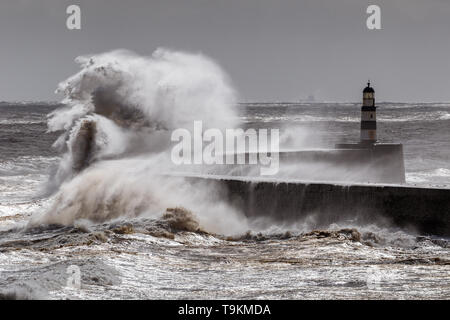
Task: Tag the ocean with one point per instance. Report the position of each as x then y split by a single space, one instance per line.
128 244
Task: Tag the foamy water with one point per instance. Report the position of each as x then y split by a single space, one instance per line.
142 262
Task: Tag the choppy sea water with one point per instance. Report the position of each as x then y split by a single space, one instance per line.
173 257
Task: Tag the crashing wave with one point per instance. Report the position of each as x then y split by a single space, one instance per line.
119 112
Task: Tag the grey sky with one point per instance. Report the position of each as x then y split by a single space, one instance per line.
273 50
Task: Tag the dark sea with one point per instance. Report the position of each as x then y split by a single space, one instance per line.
145 258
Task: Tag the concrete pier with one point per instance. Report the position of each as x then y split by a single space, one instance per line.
425 210
356 163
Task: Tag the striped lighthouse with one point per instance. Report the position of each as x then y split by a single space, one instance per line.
368 116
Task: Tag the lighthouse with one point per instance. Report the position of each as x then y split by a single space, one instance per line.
374 161
368 116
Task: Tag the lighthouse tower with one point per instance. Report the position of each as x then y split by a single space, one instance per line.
376 161
368 116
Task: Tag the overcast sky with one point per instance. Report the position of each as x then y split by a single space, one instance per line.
272 49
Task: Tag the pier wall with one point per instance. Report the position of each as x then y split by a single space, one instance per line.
425 210
355 163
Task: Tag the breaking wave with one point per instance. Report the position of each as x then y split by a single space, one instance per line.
119 112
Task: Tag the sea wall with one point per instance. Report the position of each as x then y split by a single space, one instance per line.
425 210
384 160
355 163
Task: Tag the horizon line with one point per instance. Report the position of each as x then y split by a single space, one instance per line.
241 102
